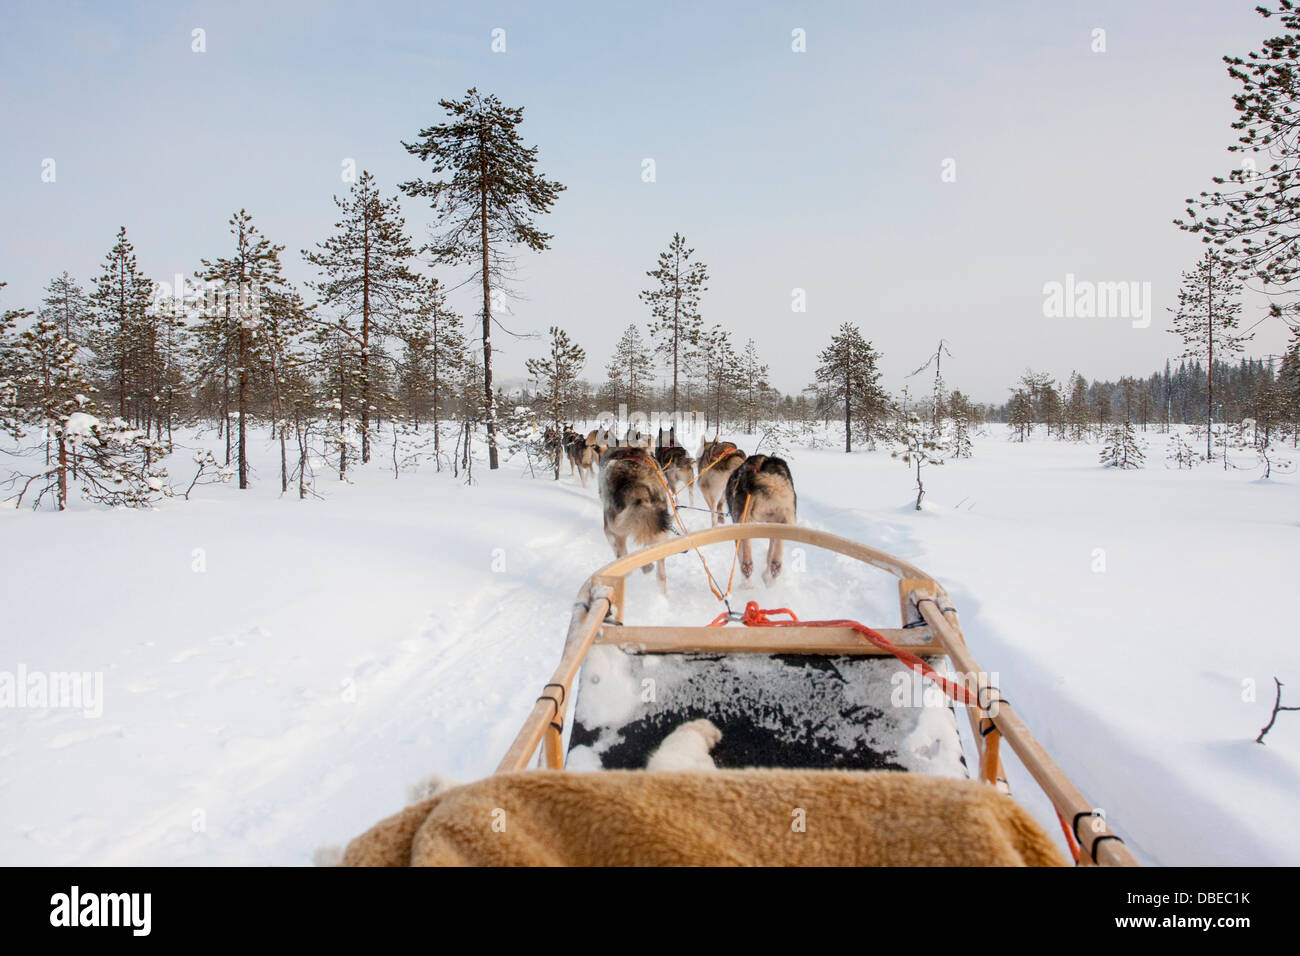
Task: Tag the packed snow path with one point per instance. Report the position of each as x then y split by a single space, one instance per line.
277 673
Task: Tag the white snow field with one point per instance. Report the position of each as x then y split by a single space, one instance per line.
277 673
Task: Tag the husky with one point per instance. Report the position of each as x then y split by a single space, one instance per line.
678 466
582 454
601 439
635 504
716 461
634 438
766 484
687 748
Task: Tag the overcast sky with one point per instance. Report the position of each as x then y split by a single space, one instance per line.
819 170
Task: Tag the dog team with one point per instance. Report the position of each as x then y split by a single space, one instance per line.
637 479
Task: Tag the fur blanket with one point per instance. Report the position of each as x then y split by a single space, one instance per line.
709 818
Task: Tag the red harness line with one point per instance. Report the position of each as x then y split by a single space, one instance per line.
755 616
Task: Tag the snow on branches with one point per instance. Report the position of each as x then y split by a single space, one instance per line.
1122 449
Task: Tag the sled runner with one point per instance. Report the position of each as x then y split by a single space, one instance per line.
823 696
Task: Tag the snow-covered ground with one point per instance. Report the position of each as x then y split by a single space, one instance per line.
277 673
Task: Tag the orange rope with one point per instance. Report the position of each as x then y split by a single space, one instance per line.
716 458
672 500
755 616
1069 837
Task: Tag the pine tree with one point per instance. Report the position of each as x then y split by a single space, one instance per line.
849 373
1179 452
284 320
1122 449
1206 320
52 386
752 386
433 358
248 275
628 370
719 368
366 276
11 413
1021 416
489 202
1254 223
66 304
960 409
675 322
119 303
557 375
917 446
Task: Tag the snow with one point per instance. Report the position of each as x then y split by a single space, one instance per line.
81 425
277 673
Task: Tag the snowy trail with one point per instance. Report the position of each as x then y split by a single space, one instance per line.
1131 675
330 654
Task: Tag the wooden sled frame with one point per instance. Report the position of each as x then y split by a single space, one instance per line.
930 628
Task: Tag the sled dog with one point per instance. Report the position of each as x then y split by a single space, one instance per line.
635 504
582 454
765 483
716 461
678 466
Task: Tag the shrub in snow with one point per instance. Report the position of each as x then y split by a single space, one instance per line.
209 471
1122 449
916 445
113 462
1180 453
960 442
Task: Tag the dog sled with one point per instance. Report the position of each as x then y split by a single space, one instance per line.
797 696
826 755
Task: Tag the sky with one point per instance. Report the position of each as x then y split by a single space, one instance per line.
922 171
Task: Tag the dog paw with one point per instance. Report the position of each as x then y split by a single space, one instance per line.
747 568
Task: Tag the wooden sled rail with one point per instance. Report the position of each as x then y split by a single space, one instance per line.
601 602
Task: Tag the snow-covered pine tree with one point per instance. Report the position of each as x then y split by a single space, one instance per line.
961 441
938 411
675 324
1206 319
1077 415
557 375
488 202
1020 417
366 278
916 446
431 359
116 464
1122 449
66 303
849 374
284 322
1179 452
248 275
628 371
51 387
11 413
119 302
